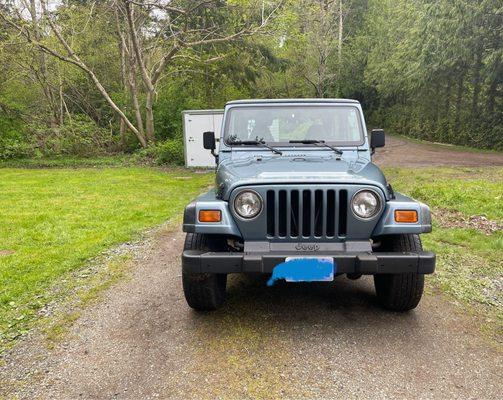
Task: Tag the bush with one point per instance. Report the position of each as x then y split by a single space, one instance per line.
79 136
169 152
13 142
15 148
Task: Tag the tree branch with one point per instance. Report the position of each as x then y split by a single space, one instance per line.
74 59
136 47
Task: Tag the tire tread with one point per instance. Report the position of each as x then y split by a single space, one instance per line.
401 292
203 291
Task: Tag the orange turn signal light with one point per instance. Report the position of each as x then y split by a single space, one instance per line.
409 216
210 216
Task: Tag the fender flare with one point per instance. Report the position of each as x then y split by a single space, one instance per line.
387 224
209 201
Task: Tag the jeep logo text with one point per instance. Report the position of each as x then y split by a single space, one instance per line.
307 247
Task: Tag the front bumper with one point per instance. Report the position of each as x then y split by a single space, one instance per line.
346 263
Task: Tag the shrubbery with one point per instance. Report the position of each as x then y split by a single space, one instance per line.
167 152
13 143
14 148
79 136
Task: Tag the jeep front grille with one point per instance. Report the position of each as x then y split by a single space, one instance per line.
306 213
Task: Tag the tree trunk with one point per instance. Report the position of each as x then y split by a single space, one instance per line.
339 47
491 93
446 128
61 101
124 78
56 115
459 104
287 86
134 100
322 73
434 127
149 116
340 36
148 81
448 97
476 83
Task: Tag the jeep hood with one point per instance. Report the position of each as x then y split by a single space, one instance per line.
232 174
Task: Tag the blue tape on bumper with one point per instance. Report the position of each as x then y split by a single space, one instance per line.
304 269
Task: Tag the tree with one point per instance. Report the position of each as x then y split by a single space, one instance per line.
163 33
311 36
434 64
432 69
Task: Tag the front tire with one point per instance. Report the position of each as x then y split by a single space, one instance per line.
400 292
204 291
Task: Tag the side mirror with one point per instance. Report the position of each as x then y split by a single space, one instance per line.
377 139
209 141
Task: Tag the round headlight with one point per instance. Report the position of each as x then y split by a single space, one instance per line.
365 204
248 204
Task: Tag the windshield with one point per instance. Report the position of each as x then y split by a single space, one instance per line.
340 125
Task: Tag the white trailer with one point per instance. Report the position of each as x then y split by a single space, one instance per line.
195 122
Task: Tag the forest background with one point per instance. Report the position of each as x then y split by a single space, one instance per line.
89 78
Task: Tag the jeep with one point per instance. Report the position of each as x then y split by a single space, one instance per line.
298 197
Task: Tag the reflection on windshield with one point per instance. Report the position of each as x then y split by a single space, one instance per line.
337 124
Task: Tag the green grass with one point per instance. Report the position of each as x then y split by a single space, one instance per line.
471 191
54 221
120 160
469 266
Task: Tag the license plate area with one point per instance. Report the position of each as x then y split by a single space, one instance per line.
304 269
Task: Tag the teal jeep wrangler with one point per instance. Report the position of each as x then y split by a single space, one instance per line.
298 197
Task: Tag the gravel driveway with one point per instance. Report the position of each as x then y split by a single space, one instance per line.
402 152
289 341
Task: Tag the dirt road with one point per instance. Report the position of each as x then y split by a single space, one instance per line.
402 152
141 341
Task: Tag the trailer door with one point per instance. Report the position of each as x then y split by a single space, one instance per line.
195 123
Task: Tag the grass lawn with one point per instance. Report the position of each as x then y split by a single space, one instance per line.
469 255
52 221
70 162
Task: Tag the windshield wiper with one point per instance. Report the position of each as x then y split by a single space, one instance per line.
322 142
255 143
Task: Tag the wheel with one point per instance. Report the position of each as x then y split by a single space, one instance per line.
400 292
204 291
